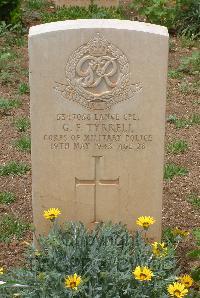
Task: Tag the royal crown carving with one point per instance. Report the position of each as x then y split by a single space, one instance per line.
97 75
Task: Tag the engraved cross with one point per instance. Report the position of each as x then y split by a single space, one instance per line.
96 182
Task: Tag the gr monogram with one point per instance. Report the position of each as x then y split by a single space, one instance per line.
97 75
97 69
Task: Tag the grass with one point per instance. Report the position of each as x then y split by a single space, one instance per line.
6 197
10 62
9 29
6 105
15 40
172 170
183 122
188 43
6 56
187 87
23 88
24 143
188 65
37 4
14 168
10 67
194 199
11 227
22 124
73 13
178 146
6 77
191 64
175 74
196 102
25 72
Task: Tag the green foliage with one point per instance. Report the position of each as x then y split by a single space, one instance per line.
6 77
156 11
169 237
189 87
72 13
188 42
22 124
183 122
196 102
172 119
11 227
6 197
178 146
8 104
191 64
180 15
12 34
172 170
195 255
194 199
24 143
9 11
6 57
8 65
36 4
104 258
188 65
175 74
196 274
14 168
23 88
195 119
188 18
6 29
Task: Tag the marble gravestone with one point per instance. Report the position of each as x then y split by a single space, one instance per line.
98 91
103 3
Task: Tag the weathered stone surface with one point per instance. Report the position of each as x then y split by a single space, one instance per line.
106 3
98 92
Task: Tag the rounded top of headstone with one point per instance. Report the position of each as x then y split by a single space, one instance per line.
99 24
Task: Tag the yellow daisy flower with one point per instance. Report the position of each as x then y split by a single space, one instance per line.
1 270
142 273
179 232
145 221
177 290
73 281
186 280
159 249
51 213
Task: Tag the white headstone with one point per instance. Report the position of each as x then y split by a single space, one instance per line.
98 90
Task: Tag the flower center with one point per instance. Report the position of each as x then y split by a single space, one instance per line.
146 224
143 276
72 284
52 215
177 293
187 283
